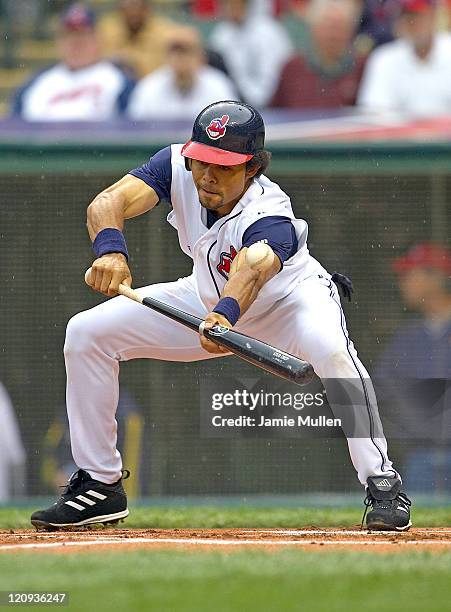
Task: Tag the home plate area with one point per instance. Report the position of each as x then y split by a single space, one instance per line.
227 539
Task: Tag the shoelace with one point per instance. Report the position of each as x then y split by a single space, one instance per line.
404 499
369 501
73 483
78 477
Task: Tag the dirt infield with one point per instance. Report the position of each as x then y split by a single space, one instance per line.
435 539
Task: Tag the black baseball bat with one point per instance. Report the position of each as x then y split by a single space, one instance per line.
250 349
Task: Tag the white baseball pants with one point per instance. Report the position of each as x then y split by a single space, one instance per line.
308 323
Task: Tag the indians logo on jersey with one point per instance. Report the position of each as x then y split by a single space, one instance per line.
217 127
225 262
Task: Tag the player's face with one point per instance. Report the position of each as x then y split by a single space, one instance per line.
220 187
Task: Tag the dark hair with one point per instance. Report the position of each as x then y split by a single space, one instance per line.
261 159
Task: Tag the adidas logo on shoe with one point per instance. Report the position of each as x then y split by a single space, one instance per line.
383 484
84 499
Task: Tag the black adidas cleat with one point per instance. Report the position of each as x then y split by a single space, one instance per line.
85 501
390 506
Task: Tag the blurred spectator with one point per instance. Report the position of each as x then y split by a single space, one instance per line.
184 86
328 72
377 23
204 9
82 87
12 453
444 15
422 348
254 48
210 9
414 370
295 23
135 37
411 75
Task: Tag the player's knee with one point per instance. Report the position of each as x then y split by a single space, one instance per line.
80 334
337 364
343 363
341 360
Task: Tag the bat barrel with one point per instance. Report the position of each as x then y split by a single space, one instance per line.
304 373
298 372
262 355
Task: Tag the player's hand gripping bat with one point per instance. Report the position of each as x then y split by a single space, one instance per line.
254 351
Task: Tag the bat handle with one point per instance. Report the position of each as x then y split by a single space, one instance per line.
122 289
130 293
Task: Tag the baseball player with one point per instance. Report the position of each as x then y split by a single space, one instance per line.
222 203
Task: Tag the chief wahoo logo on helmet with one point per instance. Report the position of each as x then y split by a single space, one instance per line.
217 127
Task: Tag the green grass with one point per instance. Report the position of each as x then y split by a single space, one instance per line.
185 580
205 516
251 581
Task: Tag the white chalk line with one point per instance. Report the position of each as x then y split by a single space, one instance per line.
346 532
318 532
213 542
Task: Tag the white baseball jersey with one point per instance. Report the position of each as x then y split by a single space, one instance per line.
95 93
157 96
213 249
396 79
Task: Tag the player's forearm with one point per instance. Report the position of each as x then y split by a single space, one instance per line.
246 278
129 197
106 210
243 286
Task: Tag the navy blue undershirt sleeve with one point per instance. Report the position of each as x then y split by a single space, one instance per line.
157 173
277 231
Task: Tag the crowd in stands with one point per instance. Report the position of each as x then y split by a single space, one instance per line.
183 85
327 72
83 85
414 368
382 56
